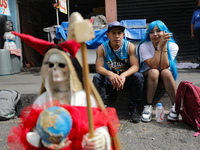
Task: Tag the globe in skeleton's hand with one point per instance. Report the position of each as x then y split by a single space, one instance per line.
53 125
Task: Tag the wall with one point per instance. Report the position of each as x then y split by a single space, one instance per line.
30 20
111 10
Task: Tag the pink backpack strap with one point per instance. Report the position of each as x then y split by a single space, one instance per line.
198 124
197 133
198 128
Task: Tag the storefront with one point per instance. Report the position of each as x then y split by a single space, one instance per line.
34 15
38 14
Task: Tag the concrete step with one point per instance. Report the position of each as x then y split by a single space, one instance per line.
120 101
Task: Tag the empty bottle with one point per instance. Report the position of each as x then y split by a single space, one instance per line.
160 113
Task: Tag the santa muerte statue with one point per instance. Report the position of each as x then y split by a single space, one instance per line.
45 124
9 42
8 36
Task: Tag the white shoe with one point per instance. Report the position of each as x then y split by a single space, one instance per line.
147 113
172 114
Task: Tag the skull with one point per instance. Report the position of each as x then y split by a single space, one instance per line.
57 65
8 26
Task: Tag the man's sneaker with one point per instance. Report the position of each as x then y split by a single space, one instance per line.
147 113
133 113
172 114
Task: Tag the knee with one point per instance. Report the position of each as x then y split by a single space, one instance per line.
139 77
96 78
166 74
153 74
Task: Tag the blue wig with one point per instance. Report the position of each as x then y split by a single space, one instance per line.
146 38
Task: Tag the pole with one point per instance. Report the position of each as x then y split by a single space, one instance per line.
57 17
68 10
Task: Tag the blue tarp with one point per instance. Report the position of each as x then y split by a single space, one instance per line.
61 32
135 30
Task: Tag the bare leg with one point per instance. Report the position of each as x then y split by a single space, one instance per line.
152 77
169 83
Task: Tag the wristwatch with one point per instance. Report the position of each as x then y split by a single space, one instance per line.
158 48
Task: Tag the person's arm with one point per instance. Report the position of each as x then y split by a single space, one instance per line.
192 32
155 60
114 78
133 61
164 62
100 62
160 56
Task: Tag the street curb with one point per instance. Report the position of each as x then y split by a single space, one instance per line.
28 99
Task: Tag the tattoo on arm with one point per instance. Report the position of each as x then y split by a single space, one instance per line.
101 59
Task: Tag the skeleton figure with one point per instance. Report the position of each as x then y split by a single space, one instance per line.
8 36
60 81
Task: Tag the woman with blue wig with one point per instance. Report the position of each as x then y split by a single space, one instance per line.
157 52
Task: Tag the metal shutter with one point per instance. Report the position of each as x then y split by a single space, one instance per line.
176 14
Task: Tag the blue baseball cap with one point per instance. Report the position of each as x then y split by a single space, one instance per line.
115 24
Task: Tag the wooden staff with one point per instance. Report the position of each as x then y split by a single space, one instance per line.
83 32
87 88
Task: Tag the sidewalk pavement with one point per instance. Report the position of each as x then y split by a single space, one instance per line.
138 136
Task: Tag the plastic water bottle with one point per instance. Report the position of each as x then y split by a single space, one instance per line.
160 113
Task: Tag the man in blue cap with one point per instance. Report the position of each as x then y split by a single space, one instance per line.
117 68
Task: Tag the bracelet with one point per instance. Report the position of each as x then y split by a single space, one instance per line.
164 51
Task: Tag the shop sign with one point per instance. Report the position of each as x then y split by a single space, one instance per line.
4 7
63 6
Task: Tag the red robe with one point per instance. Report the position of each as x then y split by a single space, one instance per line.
108 117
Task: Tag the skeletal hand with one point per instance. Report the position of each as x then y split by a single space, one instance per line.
64 143
98 142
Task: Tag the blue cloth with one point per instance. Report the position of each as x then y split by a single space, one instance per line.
61 32
110 60
100 35
196 19
7 40
135 29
